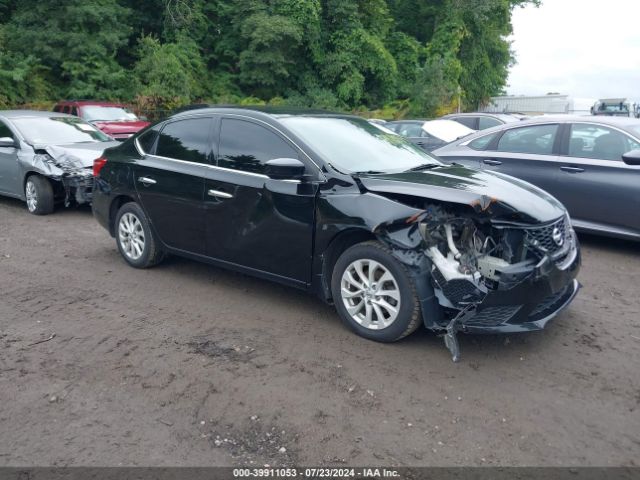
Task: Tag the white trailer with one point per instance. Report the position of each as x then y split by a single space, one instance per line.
539 105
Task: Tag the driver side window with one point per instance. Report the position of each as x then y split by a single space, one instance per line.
246 146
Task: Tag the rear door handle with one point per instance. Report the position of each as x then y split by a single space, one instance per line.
219 194
572 169
490 161
147 180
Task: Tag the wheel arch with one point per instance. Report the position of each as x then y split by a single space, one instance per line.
338 244
115 205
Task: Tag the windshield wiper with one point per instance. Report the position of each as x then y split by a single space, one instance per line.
369 172
424 166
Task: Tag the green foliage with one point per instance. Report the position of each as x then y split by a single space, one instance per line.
170 73
390 58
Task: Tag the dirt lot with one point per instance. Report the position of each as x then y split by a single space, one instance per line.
187 364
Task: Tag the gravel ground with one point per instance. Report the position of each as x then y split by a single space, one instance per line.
187 364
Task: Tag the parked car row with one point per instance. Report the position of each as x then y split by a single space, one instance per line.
476 237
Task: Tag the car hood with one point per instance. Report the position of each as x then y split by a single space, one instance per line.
446 130
129 126
81 155
503 197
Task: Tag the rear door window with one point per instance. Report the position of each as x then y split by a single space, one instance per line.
483 142
537 139
467 122
410 130
188 140
247 146
488 122
147 140
598 142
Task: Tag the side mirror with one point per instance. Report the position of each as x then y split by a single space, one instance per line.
7 142
630 158
285 169
143 118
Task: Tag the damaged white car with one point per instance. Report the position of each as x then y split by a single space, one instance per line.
46 158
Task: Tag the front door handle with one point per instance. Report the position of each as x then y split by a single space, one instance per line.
572 169
147 180
490 161
219 194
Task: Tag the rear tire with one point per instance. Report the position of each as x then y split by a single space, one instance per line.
38 193
136 242
374 293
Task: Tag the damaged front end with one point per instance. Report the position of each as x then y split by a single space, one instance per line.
489 275
74 177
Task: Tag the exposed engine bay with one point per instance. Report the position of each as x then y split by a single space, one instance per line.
480 268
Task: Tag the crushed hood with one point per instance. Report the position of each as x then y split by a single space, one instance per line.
501 196
80 155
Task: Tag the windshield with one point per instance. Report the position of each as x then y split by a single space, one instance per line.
96 113
58 130
354 145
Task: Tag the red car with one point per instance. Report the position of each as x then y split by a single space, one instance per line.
114 119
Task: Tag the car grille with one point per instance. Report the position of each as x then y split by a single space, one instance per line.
543 236
493 316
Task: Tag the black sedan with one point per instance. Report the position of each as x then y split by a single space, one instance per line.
333 205
590 164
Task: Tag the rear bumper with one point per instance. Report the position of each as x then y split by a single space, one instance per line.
531 302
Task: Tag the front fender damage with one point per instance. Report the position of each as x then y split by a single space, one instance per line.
61 166
462 262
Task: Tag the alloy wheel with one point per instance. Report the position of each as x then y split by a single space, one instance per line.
31 195
131 236
370 294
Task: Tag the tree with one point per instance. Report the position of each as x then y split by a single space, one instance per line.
417 57
76 41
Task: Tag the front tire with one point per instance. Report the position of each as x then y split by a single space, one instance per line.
136 241
374 293
38 193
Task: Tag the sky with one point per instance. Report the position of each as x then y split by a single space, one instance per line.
583 48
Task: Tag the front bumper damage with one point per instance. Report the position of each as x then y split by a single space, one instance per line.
527 303
522 296
75 178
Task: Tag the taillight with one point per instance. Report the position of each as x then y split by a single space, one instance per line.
98 163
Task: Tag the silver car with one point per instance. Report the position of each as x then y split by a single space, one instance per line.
590 164
47 158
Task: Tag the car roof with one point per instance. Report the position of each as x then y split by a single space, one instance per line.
603 119
90 102
11 114
409 121
260 111
504 116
